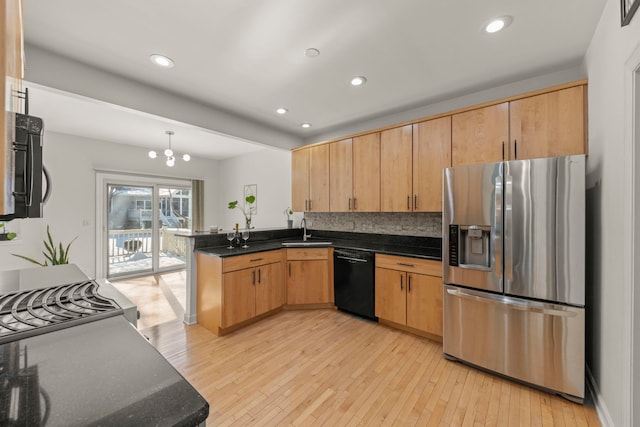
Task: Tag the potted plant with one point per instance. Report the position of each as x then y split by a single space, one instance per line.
55 254
4 236
288 212
246 211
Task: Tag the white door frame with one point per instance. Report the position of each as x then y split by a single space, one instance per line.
103 178
631 291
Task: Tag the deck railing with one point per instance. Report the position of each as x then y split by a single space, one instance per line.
123 244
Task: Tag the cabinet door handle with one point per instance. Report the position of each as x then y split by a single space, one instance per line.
401 284
253 273
406 264
349 203
502 150
310 205
515 149
415 201
408 201
306 205
259 275
409 283
256 259
354 204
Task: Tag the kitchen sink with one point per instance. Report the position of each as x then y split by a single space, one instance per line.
302 243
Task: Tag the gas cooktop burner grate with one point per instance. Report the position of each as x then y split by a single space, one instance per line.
32 312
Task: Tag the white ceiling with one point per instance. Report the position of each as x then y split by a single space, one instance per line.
246 56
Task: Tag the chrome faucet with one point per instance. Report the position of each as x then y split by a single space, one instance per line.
303 224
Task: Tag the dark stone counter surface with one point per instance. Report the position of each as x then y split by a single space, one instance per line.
98 373
418 247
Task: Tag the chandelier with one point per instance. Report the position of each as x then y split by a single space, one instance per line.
169 154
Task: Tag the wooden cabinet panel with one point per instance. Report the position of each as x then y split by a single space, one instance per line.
209 291
319 178
366 173
303 254
396 162
300 180
238 296
251 260
480 136
391 300
341 175
308 282
431 154
550 124
11 66
424 303
408 264
270 291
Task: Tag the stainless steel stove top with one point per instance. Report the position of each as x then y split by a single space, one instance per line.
32 312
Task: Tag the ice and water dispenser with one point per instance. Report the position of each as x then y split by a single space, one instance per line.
469 246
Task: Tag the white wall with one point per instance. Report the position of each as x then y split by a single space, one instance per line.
608 172
270 169
70 212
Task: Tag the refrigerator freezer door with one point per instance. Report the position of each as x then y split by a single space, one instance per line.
472 222
544 229
539 343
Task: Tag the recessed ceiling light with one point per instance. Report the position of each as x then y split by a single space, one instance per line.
497 24
312 52
281 110
162 61
358 81
306 125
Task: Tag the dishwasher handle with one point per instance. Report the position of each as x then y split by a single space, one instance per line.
351 259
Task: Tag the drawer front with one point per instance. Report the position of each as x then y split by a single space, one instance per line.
304 254
250 260
412 265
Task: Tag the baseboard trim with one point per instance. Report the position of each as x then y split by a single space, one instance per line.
190 320
598 401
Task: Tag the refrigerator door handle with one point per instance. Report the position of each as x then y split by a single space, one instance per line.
497 226
516 304
508 227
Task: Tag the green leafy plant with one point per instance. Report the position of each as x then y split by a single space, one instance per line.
6 236
55 254
247 215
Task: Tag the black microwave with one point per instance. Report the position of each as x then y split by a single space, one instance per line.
26 184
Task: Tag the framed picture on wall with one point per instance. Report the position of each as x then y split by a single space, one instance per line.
627 9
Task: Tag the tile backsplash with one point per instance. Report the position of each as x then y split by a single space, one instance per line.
427 224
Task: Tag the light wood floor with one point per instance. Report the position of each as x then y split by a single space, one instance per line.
326 368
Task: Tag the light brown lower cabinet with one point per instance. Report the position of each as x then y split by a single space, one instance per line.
409 293
251 292
233 291
309 276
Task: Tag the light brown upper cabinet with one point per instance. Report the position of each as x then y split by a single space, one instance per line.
550 124
310 179
355 174
431 154
11 65
547 124
480 136
396 164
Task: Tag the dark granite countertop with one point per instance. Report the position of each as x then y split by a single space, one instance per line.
97 373
418 247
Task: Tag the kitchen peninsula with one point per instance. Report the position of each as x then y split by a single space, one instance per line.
270 273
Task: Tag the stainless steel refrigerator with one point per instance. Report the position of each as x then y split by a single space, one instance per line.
514 293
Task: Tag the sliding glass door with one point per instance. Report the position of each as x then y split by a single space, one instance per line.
142 226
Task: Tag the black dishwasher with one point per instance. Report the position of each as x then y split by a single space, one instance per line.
354 281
